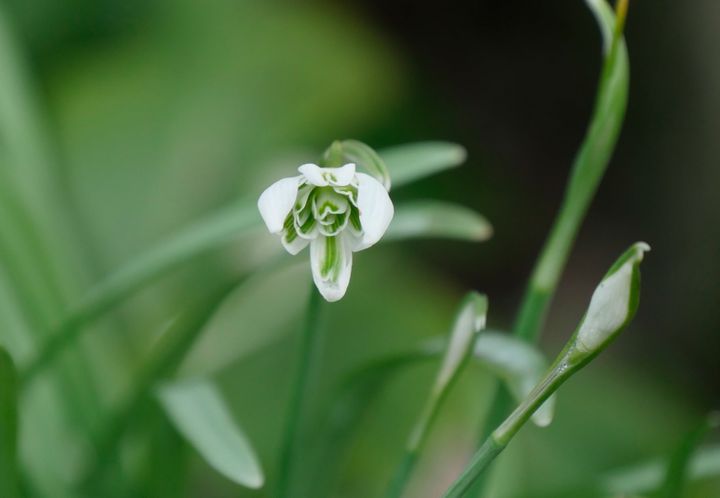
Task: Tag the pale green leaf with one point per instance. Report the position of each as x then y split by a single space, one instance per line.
519 364
421 219
200 414
9 477
411 162
647 477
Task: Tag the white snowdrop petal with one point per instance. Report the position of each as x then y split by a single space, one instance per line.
313 174
331 264
276 202
376 209
340 177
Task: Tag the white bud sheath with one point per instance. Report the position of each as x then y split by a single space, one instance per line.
610 306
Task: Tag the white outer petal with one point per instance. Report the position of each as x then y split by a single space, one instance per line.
314 174
343 175
376 209
331 290
276 202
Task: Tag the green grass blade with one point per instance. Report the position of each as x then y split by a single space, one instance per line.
9 471
469 321
353 399
649 476
678 469
206 235
412 162
421 219
587 171
162 361
519 364
200 414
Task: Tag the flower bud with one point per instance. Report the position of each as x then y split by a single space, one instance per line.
613 303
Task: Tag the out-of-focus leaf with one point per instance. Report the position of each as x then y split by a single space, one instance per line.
418 219
408 163
200 414
649 476
163 360
678 468
9 477
413 220
366 157
356 394
519 364
469 321
203 236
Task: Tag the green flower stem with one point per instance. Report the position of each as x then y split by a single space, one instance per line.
587 172
500 437
309 354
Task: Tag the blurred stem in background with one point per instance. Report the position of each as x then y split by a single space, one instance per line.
308 360
469 322
588 170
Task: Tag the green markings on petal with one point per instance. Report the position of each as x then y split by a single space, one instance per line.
327 201
330 266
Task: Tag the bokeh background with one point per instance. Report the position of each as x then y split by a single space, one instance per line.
160 111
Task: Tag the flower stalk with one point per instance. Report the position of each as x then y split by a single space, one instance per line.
308 359
612 307
469 322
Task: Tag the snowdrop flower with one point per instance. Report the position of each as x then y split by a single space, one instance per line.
337 211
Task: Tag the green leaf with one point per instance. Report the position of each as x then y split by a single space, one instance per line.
678 469
519 364
649 476
162 362
411 162
366 157
199 413
9 477
588 169
420 219
469 321
203 236
353 399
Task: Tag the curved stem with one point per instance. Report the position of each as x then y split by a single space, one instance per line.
309 353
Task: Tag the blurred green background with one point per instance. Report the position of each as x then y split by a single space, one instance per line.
157 112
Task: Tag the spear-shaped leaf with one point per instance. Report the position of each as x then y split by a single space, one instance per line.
200 414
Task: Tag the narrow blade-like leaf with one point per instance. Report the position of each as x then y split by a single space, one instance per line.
162 362
519 364
200 414
9 478
420 219
411 162
199 238
649 476
677 473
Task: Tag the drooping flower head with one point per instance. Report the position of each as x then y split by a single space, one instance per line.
336 210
